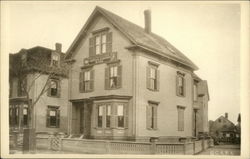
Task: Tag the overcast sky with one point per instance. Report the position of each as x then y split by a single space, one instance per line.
209 34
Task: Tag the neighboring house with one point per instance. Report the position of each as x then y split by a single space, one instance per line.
238 130
29 71
126 82
222 129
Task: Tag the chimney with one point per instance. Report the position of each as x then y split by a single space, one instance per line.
147 16
226 115
58 47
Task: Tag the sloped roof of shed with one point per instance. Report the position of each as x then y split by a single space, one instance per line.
138 36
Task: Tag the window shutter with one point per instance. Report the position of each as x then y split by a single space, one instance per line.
92 78
21 115
148 77
58 88
158 80
119 76
92 46
155 116
48 118
126 116
115 116
81 81
95 115
107 85
148 116
180 119
184 86
177 85
109 42
49 88
58 118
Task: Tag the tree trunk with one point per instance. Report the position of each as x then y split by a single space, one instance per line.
29 134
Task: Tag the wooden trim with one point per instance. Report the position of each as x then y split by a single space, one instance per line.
180 73
101 98
111 97
181 107
87 67
100 30
113 62
153 102
153 63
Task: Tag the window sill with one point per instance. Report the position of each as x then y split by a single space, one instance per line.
118 128
88 91
52 127
153 90
183 96
53 96
152 129
113 88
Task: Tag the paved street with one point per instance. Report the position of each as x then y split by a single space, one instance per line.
229 150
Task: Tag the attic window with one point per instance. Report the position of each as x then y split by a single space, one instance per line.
55 60
100 43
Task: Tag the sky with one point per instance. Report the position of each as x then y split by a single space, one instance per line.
207 33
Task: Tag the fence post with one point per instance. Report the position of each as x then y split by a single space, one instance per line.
51 136
108 147
153 141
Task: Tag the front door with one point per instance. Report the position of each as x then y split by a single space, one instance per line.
85 119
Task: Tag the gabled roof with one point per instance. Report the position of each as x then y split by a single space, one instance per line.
136 35
36 59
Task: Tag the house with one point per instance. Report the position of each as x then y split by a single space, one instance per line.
30 71
222 129
238 130
125 82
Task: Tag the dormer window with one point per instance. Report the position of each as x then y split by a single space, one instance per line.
55 60
100 42
54 88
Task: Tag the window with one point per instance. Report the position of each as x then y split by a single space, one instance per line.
55 60
103 43
100 43
180 118
151 115
111 115
108 116
113 77
14 115
100 115
22 86
86 81
25 115
120 115
97 45
153 77
53 117
180 88
195 95
54 88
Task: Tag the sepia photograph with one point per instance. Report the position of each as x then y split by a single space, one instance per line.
137 78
